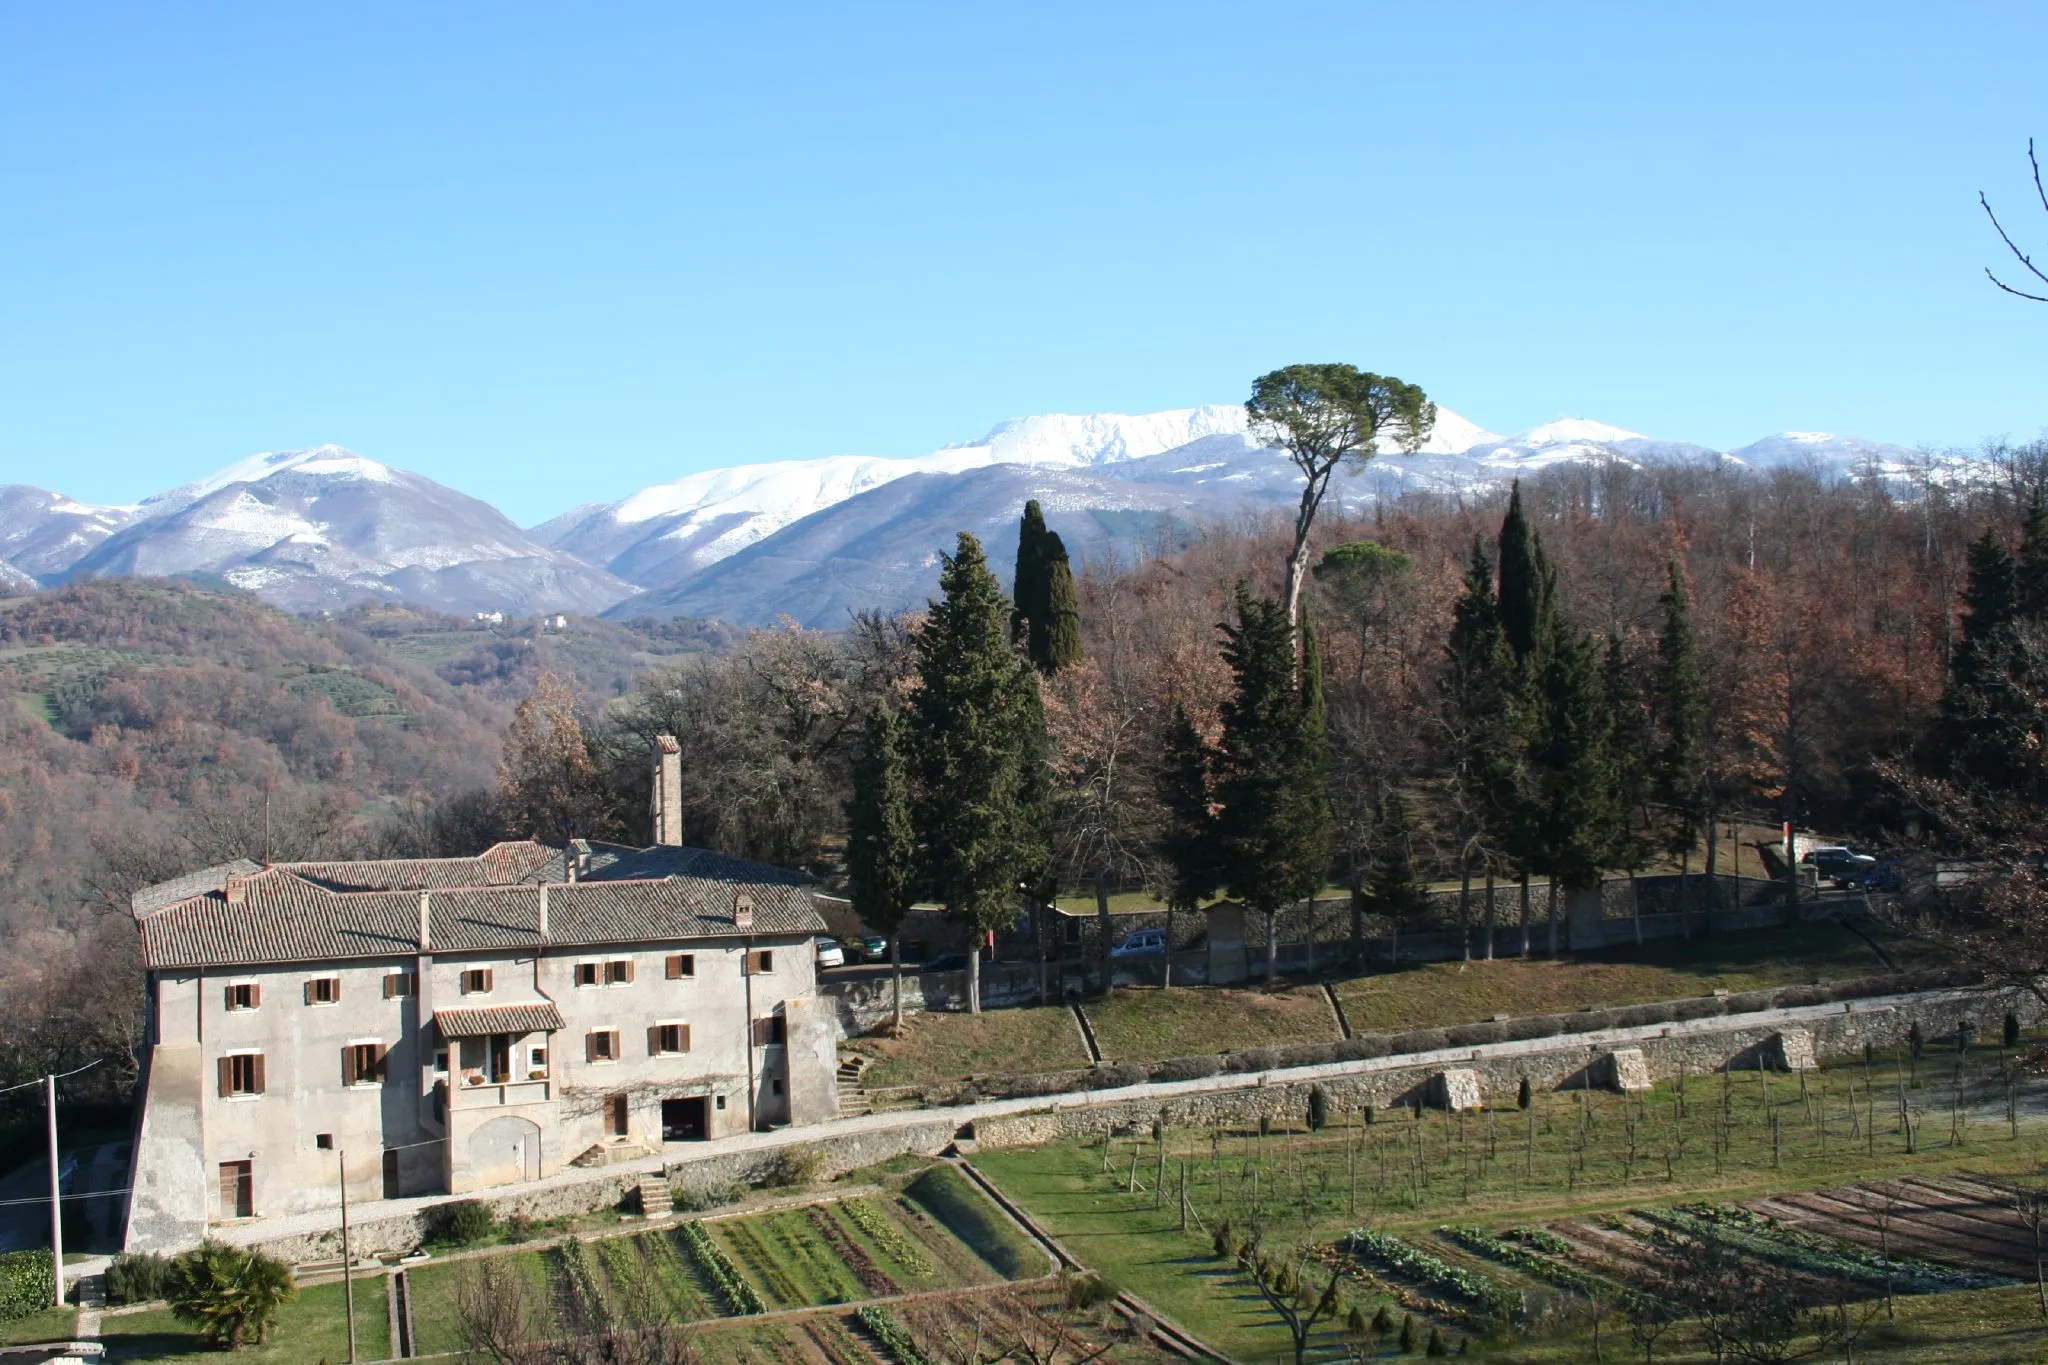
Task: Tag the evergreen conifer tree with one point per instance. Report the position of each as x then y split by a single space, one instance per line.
1481 697
980 803
1187 836
1679 715
1521 579
1273 831
1570 756
881 846
1062 634
2030 568
1046 616
1628 769
1981 718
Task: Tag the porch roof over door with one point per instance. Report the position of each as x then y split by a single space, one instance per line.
538 1016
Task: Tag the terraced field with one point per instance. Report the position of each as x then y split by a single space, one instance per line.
715 1271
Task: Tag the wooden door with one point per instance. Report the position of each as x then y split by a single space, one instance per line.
237 1189
619 1115
390 1175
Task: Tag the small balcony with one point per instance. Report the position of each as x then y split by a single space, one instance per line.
480 1092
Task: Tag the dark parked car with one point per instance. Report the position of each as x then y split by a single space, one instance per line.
866 948
1842 866
946 962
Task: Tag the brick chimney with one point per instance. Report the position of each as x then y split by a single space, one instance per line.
668 791
236 890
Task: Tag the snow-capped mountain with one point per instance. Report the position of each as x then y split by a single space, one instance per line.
811 539
43 533
325 527
660 535
13 580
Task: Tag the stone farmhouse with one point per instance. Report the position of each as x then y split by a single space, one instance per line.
448 1024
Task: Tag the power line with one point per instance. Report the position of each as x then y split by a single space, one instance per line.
58 1077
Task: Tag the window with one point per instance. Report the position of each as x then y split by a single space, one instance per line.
586 973
619 972
398 984
537 1066
770 1032
1070 929
324 1141
681 965
775 1087
603 1044
246 995
363 1064
323 990
441 1059
718 1103
761 961
476 981
667 1040
241 1074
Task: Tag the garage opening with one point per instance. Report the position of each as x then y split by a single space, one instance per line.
684 1120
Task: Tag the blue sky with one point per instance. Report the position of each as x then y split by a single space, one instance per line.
553 254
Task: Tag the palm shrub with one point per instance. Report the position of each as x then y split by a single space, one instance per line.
228 1292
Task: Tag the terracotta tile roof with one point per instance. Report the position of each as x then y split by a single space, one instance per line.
507 864
284 915
531 1017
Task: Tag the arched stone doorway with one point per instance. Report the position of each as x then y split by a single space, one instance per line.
504 1151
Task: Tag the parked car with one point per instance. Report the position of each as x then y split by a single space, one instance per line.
946 962
866 948
830 954
1141 943
1841 865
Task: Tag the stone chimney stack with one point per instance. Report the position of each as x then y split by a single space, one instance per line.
236 891
426 917
543 912
743 913
668 791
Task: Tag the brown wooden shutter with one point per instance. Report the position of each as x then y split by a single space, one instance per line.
227 1075
684 1031
488 975
255 996
256 1088
628 965
227 997
618 1052
382 1053
654 1040
390 985
336 983
590 1046
309 990
673 965
348 1066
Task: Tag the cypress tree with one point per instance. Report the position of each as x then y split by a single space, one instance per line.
1628 767
1187 839
1521 579
1481 697
1273 831
1028 583
981 801
1062 632
881 846
1570 756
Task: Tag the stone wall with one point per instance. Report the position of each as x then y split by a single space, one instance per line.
1579 1061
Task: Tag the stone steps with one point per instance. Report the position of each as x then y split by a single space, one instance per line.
656 1199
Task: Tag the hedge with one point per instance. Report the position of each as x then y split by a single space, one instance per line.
25 1283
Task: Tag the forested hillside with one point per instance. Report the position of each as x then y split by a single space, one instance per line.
143 724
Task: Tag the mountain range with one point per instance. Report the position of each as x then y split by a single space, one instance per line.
809 540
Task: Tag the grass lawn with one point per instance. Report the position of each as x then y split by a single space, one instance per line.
965 1212
1440 993
1140 1249
435 1321
52 1324
937 1047
312 1328
1151 1025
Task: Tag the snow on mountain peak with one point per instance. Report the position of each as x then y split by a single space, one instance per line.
1573 429
1104 437
330 460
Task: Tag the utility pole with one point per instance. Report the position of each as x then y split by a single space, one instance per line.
348 1290
56 1208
